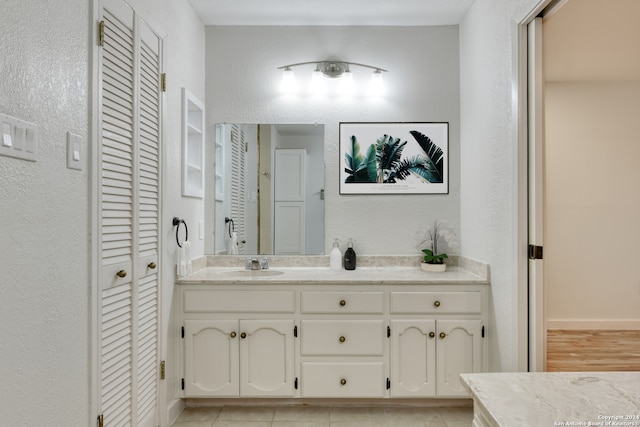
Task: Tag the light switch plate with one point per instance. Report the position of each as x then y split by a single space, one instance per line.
74 151
18 138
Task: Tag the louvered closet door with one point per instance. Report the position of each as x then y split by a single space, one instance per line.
238 189
129 143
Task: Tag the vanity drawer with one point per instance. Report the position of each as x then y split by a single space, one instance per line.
469 302
239 301
331 302
339 338
325 379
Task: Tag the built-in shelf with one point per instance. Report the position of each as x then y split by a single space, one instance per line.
192 145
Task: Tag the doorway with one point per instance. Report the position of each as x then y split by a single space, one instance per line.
589 211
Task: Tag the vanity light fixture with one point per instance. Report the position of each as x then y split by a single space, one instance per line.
332 70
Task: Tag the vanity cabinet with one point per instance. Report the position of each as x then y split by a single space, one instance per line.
238 343
439 337
343 344
314 340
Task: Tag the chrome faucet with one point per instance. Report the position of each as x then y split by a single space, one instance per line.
256 264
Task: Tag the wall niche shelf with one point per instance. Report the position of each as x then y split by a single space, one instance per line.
192 145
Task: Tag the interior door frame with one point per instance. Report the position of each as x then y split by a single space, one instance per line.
528 336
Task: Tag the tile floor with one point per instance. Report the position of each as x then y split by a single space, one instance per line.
324 416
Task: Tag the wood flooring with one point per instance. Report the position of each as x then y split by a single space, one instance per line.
593 350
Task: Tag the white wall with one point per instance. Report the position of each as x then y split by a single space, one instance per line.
489 165
422 85
45 208
44 217
592 208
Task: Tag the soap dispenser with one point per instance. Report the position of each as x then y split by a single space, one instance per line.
335 257
350 257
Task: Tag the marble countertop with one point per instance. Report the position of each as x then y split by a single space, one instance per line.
557 398
371 269
361 275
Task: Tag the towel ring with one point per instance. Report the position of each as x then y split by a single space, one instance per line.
232 227
176 222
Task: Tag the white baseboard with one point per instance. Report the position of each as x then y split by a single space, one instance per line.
598 324
174 409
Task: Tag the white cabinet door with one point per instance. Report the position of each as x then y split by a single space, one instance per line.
266 358
413 358
458 350
211 358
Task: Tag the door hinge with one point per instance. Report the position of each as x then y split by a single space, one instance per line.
182 384
100 421
163 82
162 369
101 33
535 252
388 331
295 331
295 383
388 384
483 331
182 332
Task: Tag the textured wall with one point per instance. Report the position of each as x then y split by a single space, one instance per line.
422 85
488 162
44 241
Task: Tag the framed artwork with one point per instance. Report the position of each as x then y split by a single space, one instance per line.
394 158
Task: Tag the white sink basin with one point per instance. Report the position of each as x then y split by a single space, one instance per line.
251 273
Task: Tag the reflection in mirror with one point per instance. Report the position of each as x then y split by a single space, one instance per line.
269 189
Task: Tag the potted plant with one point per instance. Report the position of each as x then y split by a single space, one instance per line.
433 260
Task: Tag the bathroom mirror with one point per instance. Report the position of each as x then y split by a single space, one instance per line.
269 189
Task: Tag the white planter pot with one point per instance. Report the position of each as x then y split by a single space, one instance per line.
433 267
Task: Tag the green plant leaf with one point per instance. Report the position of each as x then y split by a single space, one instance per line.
358 166
434 155
388 157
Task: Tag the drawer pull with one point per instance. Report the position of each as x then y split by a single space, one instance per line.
343 381
342 339
342 303
121 274
442 335
151 265
232 334
432 334
436 304
243 335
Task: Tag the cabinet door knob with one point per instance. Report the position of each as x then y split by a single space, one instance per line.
151 265
343 381
243 335
432 334
121 274
442 335
342 303
232 334
342 339
436 304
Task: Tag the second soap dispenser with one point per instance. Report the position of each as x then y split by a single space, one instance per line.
350 256
335 257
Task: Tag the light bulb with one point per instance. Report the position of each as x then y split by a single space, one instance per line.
288 81
346 83
376 86
317 82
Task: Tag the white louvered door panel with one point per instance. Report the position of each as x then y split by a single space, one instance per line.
116 208
148 226
130 124
238 190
